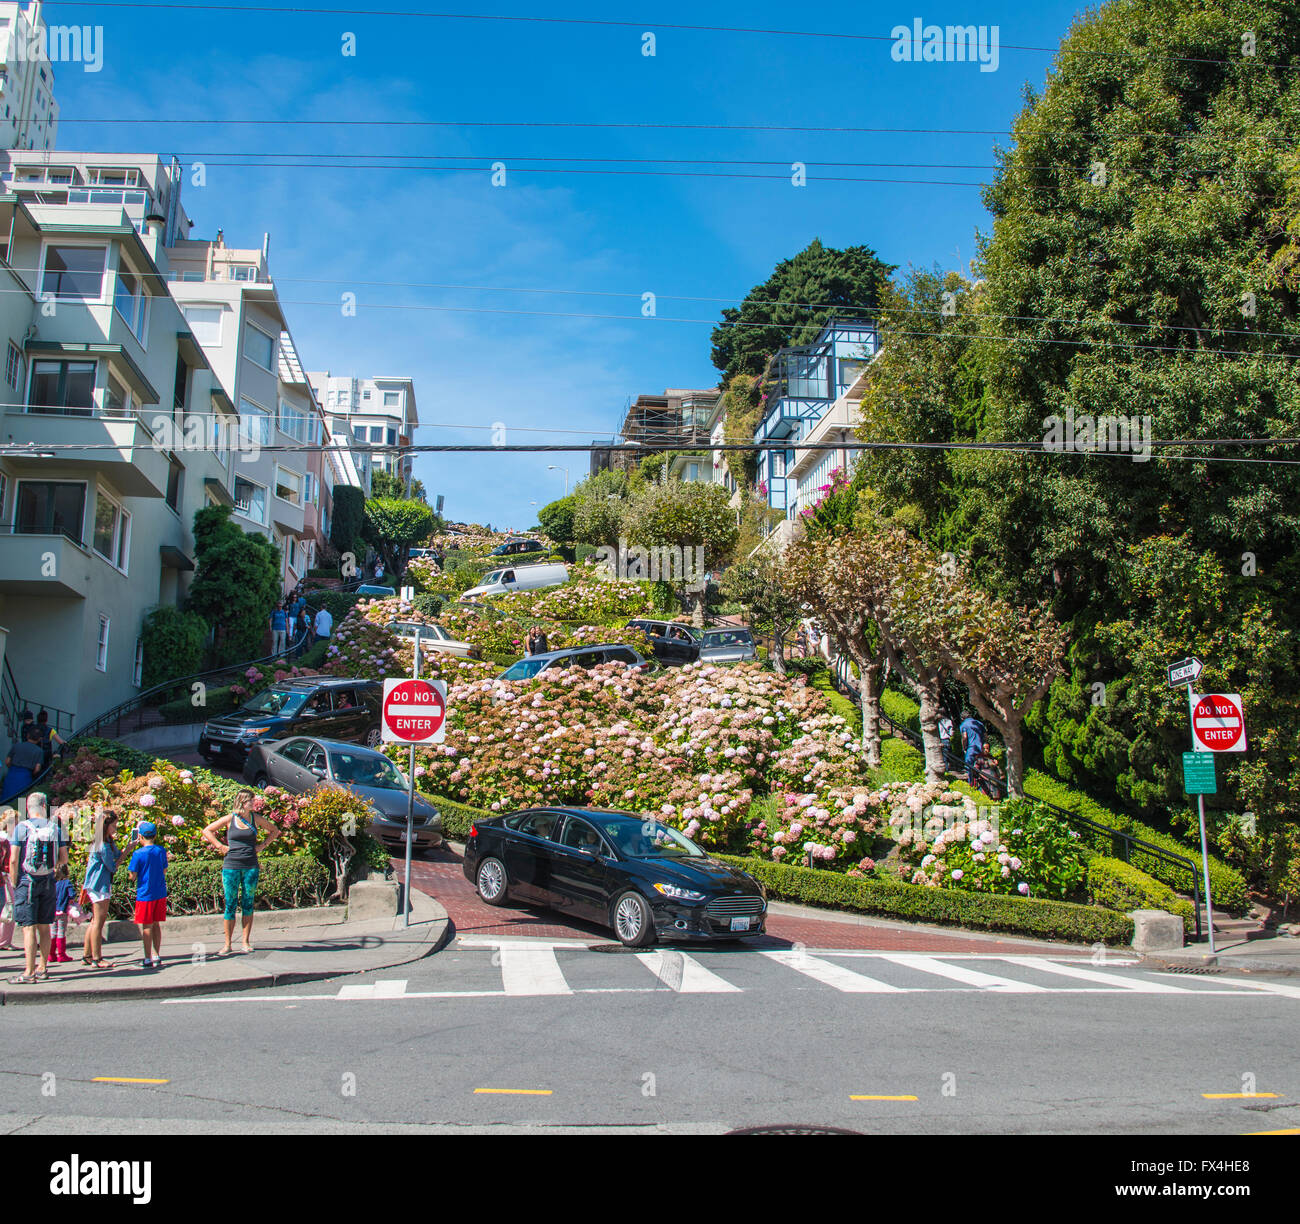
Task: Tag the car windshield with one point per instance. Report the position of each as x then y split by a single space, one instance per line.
650 839
365 769
726 637
492 578
525 669
276 701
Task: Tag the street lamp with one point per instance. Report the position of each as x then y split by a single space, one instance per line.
550 467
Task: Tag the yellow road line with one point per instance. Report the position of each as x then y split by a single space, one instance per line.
882 1098
514 1091
122 1079
1294 1130
1235 1096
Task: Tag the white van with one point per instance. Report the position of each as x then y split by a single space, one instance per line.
520 578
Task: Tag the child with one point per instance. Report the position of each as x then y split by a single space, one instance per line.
64 895
148 869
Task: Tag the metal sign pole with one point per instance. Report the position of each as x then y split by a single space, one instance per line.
1200 807
410 794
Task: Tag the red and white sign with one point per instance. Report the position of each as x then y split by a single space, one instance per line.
414 711
1218 723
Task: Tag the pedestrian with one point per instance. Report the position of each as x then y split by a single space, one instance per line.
25 761
239 865
323 623
65 894
379 571
302 629
98 887
972 740
945 736
989 773
8 818
299 602
539 642
279 628
49 738
39 849
148 868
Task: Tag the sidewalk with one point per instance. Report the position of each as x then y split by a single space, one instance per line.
1240 943
287 950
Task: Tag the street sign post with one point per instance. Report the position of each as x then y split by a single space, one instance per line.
1218 722
1185 672
1198 773
414 712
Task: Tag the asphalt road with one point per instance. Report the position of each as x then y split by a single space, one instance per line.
537 1037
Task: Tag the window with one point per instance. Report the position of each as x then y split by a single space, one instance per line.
311 490
137 673
14 366
392 399
250 500
117 399
62 386
175 483
295 421
243 272
254 423
112 538
4 489
291 552
376 433
365 395
205 323
131 300
101 647
259 347
288 486
391 437
75 272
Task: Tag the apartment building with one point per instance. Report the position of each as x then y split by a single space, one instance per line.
655 423
98 490
375 412
29 114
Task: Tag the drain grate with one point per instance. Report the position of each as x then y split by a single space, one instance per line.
611 948
1199 970
794 1130
1269 1106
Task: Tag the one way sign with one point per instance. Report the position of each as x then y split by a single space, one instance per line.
1185 672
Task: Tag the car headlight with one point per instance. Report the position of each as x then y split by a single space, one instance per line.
253 732
678 894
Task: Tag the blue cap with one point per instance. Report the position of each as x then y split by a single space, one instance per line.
147 828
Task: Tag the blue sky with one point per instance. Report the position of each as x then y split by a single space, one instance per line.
586 235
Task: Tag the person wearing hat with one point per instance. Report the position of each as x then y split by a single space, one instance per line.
148 868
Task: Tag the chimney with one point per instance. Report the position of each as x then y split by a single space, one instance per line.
153 235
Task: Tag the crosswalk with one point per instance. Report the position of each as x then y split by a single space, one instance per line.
506 968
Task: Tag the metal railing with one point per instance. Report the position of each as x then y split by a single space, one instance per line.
1122 844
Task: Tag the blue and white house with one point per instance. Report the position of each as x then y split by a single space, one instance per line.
810 400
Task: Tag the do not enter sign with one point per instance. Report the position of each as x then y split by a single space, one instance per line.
1219 723
414 711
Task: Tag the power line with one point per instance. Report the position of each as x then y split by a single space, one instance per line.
424 14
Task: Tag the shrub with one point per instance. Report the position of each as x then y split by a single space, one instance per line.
217 701
899 761
349 518
337 603
901 709
194 886
456 817
1118 885
1061 920
174 643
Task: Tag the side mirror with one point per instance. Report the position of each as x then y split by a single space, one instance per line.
318 772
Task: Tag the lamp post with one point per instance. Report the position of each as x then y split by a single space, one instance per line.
551 467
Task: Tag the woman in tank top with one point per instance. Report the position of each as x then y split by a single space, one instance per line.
239 869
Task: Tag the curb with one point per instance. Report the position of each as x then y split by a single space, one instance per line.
1239 964
425 911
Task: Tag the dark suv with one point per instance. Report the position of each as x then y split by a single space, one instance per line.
673 644
513 548
325 707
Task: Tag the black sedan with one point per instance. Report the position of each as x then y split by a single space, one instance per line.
631 873
301 765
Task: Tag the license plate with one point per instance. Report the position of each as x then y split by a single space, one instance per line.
740 924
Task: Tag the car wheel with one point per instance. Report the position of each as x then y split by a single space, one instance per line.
261 781
490 880
633 923
373 737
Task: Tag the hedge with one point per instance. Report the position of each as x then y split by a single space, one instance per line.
1227 886
183 710
456 817
194 886
901 709
1118 885
1061 920
338 603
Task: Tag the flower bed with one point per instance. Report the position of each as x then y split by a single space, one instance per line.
582 598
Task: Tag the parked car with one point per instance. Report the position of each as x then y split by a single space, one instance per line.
577 656
434 637
727 645
302 764
643 879
673 644
513 548
520 578
378 592
336 707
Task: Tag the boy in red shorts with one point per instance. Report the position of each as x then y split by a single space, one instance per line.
148 868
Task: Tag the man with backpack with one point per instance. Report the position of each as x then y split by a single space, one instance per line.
39 849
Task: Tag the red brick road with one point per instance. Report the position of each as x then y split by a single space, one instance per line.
440 875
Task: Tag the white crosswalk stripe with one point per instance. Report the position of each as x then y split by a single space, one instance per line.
1140 985
959 973
831 974
531 971
685 974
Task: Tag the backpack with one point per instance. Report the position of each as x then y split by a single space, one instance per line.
41 847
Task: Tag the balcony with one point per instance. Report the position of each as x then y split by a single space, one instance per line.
45 564
126 451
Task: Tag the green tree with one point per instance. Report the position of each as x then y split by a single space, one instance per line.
556 519
349 519
236 585
743 403
174 644
769 606
394 526
385 484
794 303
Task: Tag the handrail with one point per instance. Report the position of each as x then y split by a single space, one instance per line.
1124 842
